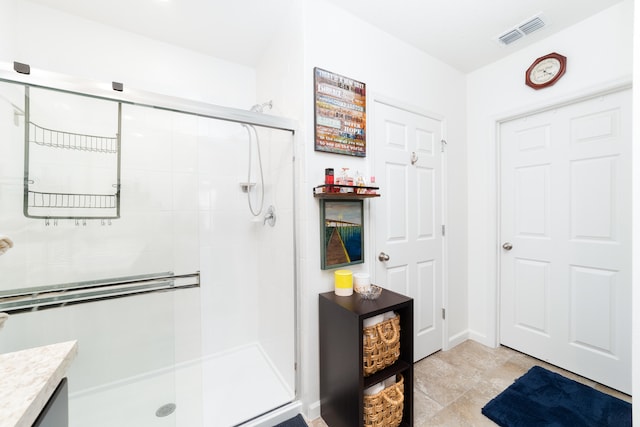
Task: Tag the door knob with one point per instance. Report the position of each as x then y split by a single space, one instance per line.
383 257
507 246
414 158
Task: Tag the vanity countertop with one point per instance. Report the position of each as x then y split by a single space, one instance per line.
28 378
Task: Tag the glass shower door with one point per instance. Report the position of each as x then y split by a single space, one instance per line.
164 243
247 269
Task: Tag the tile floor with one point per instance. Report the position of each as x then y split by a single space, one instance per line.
451 387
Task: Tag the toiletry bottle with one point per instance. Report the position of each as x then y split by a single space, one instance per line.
328 176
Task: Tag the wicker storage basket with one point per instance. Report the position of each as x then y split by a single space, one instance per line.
385 408
381 345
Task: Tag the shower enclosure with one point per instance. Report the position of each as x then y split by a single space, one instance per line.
133 235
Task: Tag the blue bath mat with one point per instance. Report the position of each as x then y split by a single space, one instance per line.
296 421
544 398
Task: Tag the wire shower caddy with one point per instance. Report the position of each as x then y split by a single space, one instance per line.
60 204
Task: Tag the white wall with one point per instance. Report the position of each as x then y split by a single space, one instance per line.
7 28
54 41
280 72
599 52
340 42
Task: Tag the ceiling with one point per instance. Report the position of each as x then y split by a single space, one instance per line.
461 33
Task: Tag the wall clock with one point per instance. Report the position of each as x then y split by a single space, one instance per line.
546 70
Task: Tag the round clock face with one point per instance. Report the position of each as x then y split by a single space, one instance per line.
546 70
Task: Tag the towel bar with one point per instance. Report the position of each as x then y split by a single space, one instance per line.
44 297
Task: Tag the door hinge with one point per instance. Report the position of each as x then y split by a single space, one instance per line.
443 229
444 314
443 144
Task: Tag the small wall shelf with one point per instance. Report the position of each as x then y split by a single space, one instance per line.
334 191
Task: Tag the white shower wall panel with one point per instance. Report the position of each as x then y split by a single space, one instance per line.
223 324
188 326
162 173
185 191
228 273
276 250
186 249
75 253
117 339
145 190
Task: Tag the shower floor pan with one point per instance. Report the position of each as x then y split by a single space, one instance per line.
223 390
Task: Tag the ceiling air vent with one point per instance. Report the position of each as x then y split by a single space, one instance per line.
531 25
523 29
510 37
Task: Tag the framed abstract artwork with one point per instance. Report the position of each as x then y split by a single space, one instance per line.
341 233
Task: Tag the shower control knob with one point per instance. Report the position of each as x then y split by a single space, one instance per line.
270 216
383 257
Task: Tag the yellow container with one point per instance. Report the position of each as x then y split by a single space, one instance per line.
343 281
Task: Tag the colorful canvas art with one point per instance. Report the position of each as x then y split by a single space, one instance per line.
340 114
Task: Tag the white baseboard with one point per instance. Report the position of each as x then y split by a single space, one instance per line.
457 339
482 339
313 410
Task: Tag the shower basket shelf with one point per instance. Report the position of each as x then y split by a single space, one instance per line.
80 204
74 141
71 200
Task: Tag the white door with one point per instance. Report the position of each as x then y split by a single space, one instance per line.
566 214
408 216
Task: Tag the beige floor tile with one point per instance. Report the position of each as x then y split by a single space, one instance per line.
612 392
318 422
463 412
444 377
472 355
451 387
497 379
424 407
469 409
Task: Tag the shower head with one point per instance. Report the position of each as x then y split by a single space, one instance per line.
259 108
